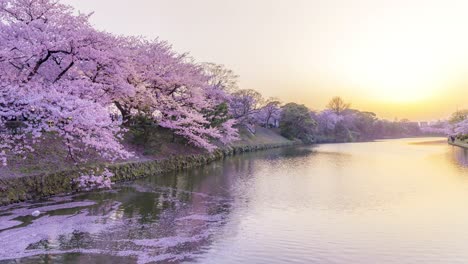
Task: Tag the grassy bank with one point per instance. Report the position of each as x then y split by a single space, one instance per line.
43 180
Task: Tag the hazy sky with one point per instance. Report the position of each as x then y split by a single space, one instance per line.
398 58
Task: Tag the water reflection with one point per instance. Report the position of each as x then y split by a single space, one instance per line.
378 202
460 156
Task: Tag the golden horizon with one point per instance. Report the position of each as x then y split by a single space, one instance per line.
399 59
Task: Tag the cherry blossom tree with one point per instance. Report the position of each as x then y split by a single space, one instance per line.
176 92
270 113
461 128
459 124
245 105
327 121
221 78
459 116
58 75
431 130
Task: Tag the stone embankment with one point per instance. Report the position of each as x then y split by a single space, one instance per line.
44 185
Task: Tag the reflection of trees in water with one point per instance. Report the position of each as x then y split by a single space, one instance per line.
460 156
105 207
279 153
154 221
294 152
179 209
176 213
79 258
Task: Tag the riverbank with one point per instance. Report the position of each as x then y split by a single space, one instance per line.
45 184
459 143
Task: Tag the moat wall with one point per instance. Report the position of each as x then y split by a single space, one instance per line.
38 186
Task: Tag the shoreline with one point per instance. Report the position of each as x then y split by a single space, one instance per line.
35 187
43 185
459 143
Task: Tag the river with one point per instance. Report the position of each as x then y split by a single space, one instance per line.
390 201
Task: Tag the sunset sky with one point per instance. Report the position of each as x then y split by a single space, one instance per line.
399 58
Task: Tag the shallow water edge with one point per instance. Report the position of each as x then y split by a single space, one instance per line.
13 190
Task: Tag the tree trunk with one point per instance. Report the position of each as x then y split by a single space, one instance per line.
124 112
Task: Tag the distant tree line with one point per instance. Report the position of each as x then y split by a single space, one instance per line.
340 123
455 127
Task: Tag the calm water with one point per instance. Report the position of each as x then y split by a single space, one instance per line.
395 201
